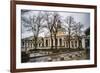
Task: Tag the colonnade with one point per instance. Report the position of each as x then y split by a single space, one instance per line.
46 42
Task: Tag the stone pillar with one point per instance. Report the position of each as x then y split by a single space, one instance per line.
53 42
44 42
32 45
83 43
65 43
37 45
62 41
74 43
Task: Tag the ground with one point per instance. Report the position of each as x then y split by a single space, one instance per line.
57 55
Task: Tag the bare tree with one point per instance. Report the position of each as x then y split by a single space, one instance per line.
34 24
49 25
57 25
78 31
68 27
52 24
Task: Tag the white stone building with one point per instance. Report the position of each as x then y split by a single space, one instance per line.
45 42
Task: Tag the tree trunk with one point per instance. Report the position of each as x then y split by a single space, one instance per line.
55 41
35 43
79 43
51 41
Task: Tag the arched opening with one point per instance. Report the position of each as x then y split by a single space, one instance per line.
66 44
76 44
46 43
60 41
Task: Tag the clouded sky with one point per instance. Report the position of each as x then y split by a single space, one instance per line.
84 18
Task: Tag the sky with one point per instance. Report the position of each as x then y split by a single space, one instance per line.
84 18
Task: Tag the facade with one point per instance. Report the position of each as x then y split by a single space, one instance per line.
45 42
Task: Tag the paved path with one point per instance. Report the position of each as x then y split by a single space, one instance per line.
62 56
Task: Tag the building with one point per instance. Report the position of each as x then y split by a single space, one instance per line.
45 42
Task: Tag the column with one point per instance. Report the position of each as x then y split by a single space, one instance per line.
53 42
74 43
83 42
44 42
66 44
62 41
